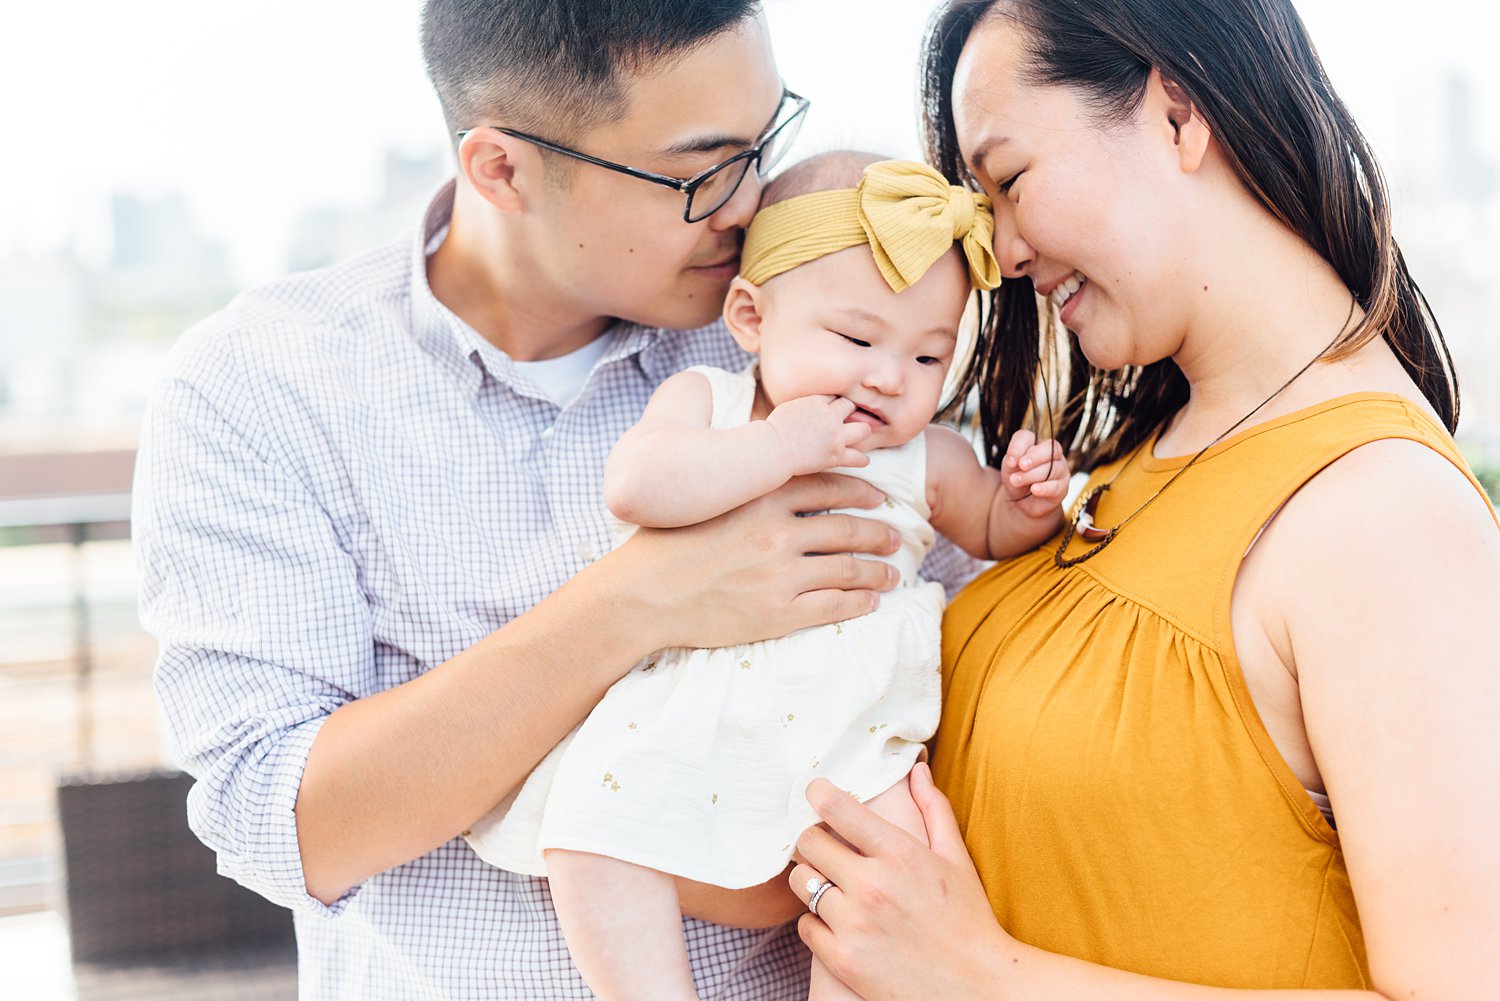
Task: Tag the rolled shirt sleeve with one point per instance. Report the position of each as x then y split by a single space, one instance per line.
257 607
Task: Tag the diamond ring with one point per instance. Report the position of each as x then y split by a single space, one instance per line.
815 889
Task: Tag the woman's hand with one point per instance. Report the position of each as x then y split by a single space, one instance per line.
902 920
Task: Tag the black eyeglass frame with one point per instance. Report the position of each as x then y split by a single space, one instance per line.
688 186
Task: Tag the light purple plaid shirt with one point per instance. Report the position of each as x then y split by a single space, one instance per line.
341 485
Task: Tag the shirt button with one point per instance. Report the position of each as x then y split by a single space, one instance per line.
586 551
547 432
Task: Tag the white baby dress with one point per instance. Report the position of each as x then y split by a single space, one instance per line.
697 761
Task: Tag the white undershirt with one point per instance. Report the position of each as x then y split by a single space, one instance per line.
560 379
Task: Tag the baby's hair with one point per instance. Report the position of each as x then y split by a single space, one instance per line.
841 168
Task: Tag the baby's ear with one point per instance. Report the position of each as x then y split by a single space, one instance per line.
742 313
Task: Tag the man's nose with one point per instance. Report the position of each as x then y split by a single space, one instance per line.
740 209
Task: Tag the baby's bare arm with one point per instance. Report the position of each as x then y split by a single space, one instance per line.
673 469
995 513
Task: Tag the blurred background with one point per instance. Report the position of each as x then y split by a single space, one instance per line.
160 155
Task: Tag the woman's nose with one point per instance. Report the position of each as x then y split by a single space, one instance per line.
1012 251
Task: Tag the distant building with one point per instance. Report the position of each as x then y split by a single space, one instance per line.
80 347
43 320
327 234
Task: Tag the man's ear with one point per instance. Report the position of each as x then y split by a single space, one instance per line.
497 167
1190 133
742 313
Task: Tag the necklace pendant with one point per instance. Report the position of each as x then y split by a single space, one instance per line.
1084 525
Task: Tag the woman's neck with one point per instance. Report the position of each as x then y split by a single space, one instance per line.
1273 307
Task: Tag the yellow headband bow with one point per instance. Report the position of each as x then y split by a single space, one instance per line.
908 213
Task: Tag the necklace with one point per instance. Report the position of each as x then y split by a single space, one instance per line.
1082 523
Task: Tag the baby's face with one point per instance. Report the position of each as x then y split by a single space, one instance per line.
833 327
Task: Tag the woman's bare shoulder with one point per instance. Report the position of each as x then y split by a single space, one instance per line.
1388 528
1391 485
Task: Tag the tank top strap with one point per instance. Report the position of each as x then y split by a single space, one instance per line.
1271 467
733 394
1181 555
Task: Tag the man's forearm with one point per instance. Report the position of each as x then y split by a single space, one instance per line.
392 776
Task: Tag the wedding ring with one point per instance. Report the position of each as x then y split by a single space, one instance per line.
816 888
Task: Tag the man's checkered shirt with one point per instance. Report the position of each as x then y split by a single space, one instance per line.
341 485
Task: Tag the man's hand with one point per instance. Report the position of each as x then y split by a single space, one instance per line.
378 790
761 570
814 435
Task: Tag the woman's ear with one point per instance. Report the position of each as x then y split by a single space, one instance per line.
495 165
1190 133
742 313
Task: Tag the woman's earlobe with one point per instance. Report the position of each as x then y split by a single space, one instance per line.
1193 137
1190 133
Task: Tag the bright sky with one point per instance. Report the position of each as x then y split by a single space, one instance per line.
255 111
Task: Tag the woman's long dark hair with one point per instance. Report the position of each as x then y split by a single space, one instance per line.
1252 73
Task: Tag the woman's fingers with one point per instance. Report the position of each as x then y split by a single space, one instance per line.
861 827
943 834
835 860
818 938
806 881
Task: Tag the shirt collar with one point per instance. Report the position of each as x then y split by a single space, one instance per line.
460 348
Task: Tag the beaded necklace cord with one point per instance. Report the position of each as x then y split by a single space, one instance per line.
1082 523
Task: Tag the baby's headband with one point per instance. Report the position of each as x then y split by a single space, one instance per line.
907 212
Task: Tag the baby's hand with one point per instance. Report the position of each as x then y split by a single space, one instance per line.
814 436
1034 475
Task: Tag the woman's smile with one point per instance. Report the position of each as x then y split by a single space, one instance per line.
1066 294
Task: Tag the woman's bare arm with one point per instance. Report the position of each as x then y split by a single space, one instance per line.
1388 600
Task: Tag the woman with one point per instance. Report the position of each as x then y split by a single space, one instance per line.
1235 727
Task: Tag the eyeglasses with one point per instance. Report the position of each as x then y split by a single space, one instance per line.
708 190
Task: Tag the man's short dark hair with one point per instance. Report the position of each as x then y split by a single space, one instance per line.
553 67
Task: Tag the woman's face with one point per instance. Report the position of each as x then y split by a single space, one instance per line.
1091 212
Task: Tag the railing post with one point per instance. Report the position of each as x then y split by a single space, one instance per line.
82 646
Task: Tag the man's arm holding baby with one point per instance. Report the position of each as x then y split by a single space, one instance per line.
673 469
314 773
995 513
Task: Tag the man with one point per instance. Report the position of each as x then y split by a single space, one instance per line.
369 500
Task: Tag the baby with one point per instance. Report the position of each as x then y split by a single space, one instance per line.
854 279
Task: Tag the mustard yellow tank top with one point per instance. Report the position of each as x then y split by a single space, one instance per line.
1121 798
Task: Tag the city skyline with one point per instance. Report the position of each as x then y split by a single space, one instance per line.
174 97
86 312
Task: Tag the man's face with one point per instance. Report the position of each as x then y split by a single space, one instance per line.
616 245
